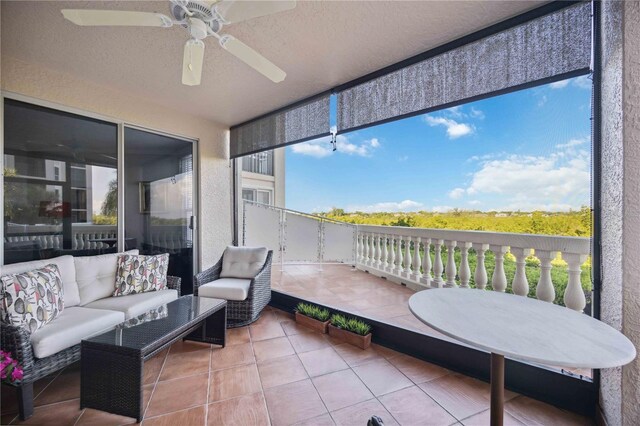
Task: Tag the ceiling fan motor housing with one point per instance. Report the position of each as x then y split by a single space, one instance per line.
197 28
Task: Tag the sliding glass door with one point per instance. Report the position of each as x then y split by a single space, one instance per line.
159 199
71 185
60 183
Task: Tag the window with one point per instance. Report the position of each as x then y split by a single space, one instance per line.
262 196
261 163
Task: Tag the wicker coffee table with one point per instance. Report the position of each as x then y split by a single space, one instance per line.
112 364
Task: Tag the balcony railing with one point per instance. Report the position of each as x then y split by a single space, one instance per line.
398 253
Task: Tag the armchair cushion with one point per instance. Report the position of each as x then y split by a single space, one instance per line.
133 305
73 325
242 262
226 288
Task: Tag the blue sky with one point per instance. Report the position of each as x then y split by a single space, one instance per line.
528 150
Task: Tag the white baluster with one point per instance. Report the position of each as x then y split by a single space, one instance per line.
365 250
407 258
544 289
398 269
437 264
520 284
377 261
374 250
465 271
499 279
573 294
450 270
426 263
385 254
392 254
417 261
480 275
359 248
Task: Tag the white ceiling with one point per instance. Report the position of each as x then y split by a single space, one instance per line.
320 44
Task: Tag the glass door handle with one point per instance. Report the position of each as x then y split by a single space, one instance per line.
192 222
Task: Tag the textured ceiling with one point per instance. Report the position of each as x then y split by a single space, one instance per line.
320 44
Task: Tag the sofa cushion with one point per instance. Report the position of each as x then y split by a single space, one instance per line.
96 276
67 270
140 274
242 262
32 299
73 325
226 288
135 304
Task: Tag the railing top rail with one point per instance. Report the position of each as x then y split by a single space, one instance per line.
311 215
580 245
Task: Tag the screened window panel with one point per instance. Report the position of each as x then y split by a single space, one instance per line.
552 45
302 122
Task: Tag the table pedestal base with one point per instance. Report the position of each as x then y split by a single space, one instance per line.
497 389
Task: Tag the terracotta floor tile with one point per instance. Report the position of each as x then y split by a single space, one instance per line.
265 331
64 387
182 346
360 413
417 370
231 356
529 411
355 356
381 377
281 371
191 417
460 395
248 410
62 413
179 394
305 342
267 316
322 361
5 419
283 316
292 327
183 364
341 389
9 395
384 351
233 382
153 366
484 418
102 418
237 336
293 402
323 420
411 406
273 348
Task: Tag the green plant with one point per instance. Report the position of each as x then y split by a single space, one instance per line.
313 311
353 325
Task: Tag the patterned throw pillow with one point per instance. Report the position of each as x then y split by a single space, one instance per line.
140 274
32 299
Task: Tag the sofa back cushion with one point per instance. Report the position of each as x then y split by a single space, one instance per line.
32 299
242 262
96 276
67 271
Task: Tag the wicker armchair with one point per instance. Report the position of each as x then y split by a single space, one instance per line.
17 341
242 312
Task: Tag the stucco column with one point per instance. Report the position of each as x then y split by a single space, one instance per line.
620 296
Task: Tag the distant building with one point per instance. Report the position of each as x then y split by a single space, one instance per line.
263 177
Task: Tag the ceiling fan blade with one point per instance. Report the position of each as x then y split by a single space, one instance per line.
236 11
252 58
192 62
86 17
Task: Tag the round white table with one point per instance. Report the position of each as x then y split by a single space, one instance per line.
520 328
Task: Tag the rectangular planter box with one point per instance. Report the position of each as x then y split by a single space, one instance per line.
363 342
312 323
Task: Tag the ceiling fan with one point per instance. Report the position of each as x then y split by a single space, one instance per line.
201 19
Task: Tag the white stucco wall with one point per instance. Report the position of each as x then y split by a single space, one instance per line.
620 295
214 168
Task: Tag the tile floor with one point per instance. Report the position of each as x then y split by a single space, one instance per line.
276 372
358 292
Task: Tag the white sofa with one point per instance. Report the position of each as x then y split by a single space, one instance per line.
89 307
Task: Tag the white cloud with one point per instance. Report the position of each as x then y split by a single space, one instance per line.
441 209
322 147
454 129
403 158
558 181
476 113
390 206
559 84
474 202
457 193
542 101
583 82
